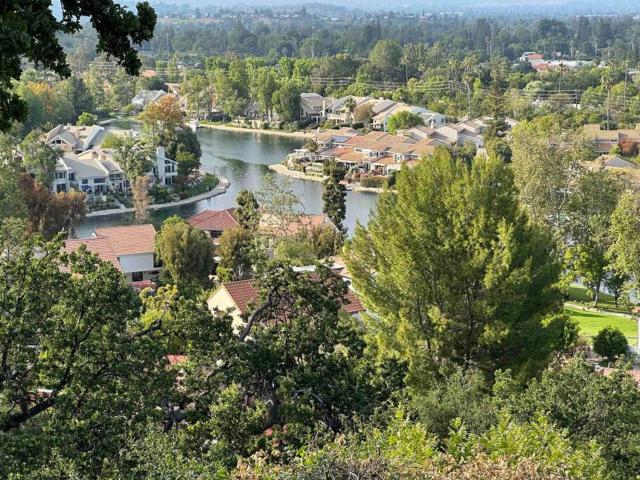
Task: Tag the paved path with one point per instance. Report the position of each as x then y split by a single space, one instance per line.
577 306
223 185
278 133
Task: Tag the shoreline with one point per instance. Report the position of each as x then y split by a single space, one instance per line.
279 133
282 170
222 187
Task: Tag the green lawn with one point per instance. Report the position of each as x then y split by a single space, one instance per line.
581 295
591 323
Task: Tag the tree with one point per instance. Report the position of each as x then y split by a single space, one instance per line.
590 209
87 119
32 33
50 213
186 252
78 94
132 156
403 120
248 211
79 374
364 113
275 367
570 395
230 96
140 193
39 158
235 251
455 274
181 139
546 161
334 195
350 106
265 85
386 57
286 101
610 343
624 251
199 95
163 116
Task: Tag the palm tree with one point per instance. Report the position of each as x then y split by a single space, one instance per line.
607 81
350 105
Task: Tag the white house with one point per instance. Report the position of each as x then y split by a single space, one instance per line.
95 171
313 106
129 248
146 97
74 138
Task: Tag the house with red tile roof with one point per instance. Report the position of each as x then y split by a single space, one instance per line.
239 298
130 248
214 222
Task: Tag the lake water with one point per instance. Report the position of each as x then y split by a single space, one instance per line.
243 158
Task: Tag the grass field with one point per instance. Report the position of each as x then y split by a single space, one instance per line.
591 323
581 295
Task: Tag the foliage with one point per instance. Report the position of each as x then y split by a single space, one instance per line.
590 407
334 195
180 139
50 213
32 33
247 212
610 343
78 373
87 119
286 101
132 156
403 120
625 236
162 116
188 164
461 276
235 251
38 157
590 209
186 252
140 194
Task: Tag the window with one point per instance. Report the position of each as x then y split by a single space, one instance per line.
99 180
85 181
72 177
136 276
61 175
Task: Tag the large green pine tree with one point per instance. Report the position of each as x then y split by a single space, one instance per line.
453 272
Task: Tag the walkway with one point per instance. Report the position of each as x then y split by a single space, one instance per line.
223 185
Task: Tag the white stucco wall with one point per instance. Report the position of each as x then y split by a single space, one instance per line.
141 262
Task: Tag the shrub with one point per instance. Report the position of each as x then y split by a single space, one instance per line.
373 182
610 342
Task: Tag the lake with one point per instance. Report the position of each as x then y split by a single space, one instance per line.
243 158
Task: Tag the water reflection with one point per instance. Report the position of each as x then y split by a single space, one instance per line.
243 157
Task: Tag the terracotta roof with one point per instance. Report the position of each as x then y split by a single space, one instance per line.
129 239
100 246
177 359
245 295
214 219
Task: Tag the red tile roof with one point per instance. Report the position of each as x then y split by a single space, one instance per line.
129 239
177 359
245 295
100 246
219 220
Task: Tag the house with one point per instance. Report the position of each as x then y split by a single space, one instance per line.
241 297
339 111
130 248
214 222
313 106
73 138
614 162
381 119
605 140
96 172
144 98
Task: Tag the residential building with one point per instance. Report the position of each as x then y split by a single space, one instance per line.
130 248
339 108
96 172
605 140
313 106
74 138
273 225
381 119
238 299
214 222
144 98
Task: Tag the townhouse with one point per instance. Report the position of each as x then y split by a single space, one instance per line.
605 140
130 248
